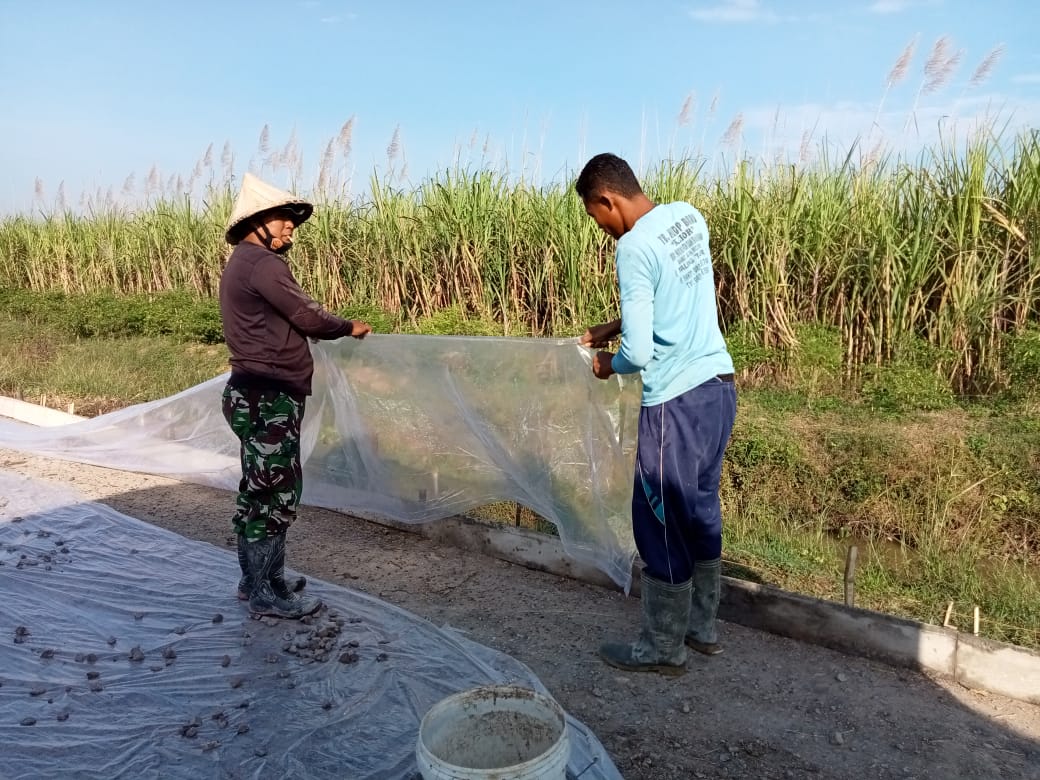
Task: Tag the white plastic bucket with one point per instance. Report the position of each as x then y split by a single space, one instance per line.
496 732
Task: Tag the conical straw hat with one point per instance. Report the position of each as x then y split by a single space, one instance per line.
257 197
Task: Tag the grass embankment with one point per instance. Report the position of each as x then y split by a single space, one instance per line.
940 495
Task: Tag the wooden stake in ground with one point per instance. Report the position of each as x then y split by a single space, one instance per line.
850 576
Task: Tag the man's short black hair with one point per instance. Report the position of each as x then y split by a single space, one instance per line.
607 172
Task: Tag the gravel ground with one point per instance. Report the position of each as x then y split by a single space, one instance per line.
768 707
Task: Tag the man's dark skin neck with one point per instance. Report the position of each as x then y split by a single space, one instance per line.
632 209
616 214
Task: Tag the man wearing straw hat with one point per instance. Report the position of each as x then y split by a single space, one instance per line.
670 335
267 321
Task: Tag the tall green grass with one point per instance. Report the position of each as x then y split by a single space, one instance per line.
942 248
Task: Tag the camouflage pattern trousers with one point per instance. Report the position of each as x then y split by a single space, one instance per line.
267 423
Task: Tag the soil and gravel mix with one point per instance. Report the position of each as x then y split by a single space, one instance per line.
768 707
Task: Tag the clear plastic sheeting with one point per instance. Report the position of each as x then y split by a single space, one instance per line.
125 654
415 429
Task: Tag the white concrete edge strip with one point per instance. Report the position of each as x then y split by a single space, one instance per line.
34 413
975 662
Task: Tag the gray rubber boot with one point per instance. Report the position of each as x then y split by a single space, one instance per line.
281 585
666 613
262 557
702 634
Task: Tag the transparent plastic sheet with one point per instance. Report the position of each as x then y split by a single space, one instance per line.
84 585
413 428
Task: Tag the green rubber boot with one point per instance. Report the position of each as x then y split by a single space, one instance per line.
659 648
702 634
281 585
262 557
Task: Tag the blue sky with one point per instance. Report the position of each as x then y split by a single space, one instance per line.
121 98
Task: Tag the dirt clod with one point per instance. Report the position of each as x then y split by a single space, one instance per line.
348 658
28 721
136 654
225 661
218 618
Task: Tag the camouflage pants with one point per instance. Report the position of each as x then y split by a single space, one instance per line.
267 423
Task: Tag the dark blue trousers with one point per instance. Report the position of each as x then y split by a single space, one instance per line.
676 517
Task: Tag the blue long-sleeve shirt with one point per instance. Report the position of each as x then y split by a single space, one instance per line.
669 317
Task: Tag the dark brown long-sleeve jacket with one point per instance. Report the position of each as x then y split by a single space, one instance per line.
267 320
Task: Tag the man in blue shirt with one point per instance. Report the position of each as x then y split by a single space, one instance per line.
670 334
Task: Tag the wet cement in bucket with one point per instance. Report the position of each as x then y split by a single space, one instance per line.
496 740
493 728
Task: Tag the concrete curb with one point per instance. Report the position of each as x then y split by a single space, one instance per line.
34 413
973 661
